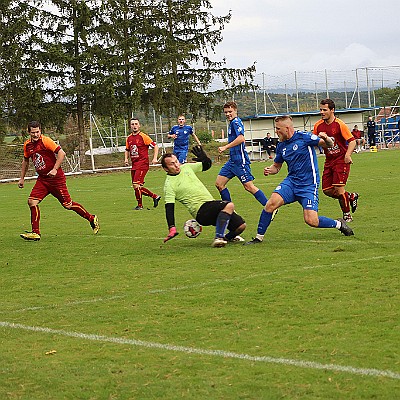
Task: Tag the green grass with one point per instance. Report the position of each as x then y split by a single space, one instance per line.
116 307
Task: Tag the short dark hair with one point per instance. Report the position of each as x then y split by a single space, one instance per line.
329 102
33 124
166 155
133 119
230 104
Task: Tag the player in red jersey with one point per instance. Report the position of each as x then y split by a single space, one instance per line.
338 158
47 157
358 135
137 149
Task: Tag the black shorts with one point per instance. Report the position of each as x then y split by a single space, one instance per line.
208 214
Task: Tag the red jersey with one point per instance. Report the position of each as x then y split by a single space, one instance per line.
356 133
338 131
138 148
43 154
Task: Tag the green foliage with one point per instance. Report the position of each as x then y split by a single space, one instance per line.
204 136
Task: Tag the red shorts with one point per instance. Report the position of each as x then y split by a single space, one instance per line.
335 174
138 176
55 186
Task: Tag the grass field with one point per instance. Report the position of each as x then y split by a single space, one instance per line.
308 314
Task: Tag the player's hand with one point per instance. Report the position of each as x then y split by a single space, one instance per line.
200 154
21 183
52 173
172 233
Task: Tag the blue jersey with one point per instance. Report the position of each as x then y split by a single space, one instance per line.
299 154
182 136
237 154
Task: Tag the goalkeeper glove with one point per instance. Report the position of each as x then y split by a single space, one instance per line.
172 233
199 153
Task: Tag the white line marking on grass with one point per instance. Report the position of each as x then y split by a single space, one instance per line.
217 353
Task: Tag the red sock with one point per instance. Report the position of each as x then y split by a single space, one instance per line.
147 192
80 210
344 201
35 219
138 195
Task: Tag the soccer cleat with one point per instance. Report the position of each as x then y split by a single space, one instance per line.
95 224
347 217
156 200
354 201
30 236
254 241
236 239
344 228
138 208
219 242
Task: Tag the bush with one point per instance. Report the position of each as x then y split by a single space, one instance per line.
204 136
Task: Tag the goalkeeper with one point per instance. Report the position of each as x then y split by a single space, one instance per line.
183 185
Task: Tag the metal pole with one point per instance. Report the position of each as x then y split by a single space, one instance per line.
297 91
316 95
287 99
265 102
255 97
326 84
345 93
369 94
358 89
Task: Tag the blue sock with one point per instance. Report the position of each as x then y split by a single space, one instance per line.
225 195
325 222
261 198
221 224
264 221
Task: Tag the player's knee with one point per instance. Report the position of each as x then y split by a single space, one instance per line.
219 186
229 208
313 222
67 206
241 228
329 192
33 202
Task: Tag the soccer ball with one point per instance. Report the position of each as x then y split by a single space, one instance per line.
192 228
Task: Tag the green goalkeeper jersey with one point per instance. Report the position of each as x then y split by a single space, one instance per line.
187 188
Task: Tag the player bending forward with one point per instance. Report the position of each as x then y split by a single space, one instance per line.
297 149
184 186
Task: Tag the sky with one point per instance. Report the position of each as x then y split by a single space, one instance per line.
283 36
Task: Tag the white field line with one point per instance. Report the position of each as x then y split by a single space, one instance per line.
197 285
215 353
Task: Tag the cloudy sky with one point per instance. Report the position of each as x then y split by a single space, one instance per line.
283 36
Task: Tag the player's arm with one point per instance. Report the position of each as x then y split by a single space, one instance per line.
24 169
60 155
155 154
196 139
171 135
325 141
170 217
238 141
126 161
201 156
345 131
272 169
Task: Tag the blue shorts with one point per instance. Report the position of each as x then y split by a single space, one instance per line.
242 171
181 155
307 196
